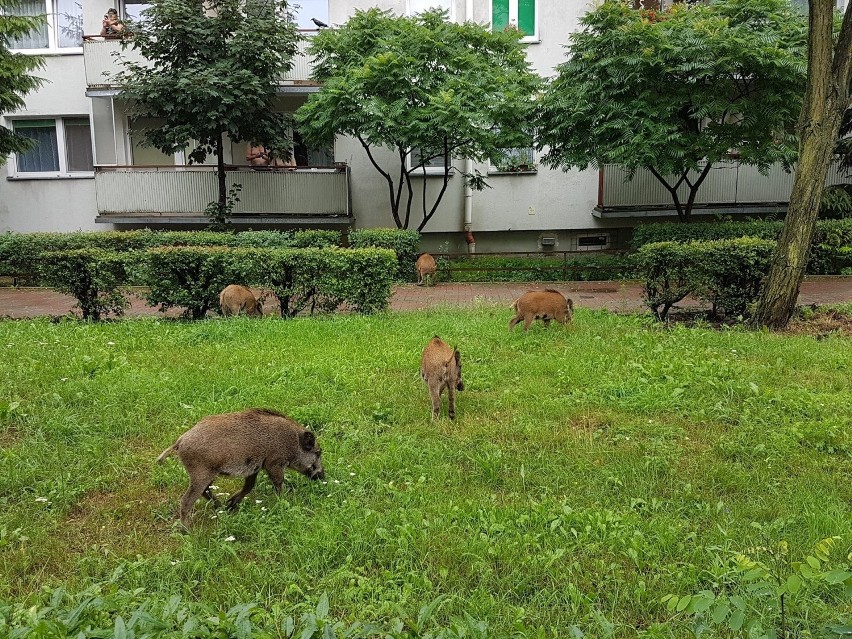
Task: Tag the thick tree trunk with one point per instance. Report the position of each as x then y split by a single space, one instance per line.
826 98
220 173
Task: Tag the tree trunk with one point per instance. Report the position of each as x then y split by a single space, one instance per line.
220 173
826 98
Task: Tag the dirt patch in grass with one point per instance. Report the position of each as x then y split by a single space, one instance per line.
821 322
9 437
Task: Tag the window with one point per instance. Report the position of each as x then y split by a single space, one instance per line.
517 13
433 165
592 242
63 30
310 156
133 9
63 146
308 9
516 160
419 6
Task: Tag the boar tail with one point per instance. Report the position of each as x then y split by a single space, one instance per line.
570 304
167 453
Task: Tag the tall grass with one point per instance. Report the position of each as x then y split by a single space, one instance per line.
591 469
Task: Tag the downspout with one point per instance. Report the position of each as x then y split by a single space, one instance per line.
468 169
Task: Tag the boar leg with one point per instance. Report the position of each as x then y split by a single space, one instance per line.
210 497
236 498
528 319
435 392
514 321
451 397
199 480
276 475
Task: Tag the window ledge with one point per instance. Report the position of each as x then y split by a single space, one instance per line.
531 41
430 174
51 176
50 52
530 172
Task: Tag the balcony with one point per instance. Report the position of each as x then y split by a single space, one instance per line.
179 195
730 187
101 62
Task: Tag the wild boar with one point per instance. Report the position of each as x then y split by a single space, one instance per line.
441 368
545 305
236 299
240 445
426 269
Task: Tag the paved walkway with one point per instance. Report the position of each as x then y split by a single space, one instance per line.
615 296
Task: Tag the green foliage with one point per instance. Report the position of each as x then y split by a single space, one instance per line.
193 277
487 268
829 248
16 70
836 202
404 243
96 278
210 68
447 90
726 273
675 91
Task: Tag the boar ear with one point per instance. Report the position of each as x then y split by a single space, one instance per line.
457 355
307 440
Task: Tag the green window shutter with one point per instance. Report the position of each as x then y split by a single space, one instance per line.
499 14
526 16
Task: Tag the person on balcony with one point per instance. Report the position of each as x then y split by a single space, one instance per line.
257 156
111 25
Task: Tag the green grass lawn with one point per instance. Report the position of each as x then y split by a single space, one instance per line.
592 470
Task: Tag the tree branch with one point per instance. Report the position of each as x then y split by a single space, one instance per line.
394 210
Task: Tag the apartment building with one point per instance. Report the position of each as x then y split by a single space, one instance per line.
89 172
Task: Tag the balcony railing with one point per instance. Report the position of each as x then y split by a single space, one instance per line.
729 187
101 62
171 194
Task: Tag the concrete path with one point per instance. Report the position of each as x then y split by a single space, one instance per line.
615 296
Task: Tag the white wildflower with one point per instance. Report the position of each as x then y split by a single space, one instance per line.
258 501
231 538
41 500
351 474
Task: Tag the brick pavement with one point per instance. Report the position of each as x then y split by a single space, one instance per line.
615 296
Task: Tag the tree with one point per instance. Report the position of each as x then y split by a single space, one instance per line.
16 70
826 99
425 89
211 69
676 91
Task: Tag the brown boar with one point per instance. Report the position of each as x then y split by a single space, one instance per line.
440 368
426 269
241 445
545 305
236 299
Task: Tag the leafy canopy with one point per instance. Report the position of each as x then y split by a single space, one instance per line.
212 68
16 72
420 82
668 90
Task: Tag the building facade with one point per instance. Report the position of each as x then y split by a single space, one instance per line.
89 172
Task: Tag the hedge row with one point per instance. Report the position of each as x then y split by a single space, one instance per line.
192 277
829 249
486 268
404 243
725 273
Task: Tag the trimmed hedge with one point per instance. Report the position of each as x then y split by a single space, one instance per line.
828 254
541 269
97 278
192 277
403 242
726 273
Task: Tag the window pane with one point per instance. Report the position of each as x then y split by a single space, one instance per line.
36 39
69 20
78 144
435 162
419 6
310 156
146 155
44 157
499 14
311 9
526 16
133 10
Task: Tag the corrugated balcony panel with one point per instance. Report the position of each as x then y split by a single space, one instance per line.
175 191
775 186
99 58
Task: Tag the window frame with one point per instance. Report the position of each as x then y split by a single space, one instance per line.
61 144
53 27
533 166
409 13
430 170
535 38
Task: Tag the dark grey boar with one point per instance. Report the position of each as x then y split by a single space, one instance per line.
241 445
236 299
441 368
545 305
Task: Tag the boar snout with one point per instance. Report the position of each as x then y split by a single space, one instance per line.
460 386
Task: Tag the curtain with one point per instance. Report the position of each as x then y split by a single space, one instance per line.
69 21
78 144
37 38
44 157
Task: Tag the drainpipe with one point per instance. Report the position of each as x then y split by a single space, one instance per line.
468 169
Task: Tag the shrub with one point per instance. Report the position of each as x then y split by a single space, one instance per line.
487 268
667 269
403 242
96 278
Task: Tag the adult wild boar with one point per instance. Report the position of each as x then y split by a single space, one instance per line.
241 445
440 368
236 299
545 305
426 269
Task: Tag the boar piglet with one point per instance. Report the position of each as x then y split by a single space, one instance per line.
236 299
241 445
440 368
426 269
545 305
